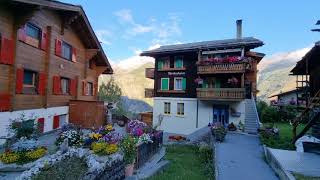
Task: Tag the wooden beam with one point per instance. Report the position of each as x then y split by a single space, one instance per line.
47 66
90 53
12 68
100 69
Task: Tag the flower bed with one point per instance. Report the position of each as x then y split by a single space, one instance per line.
98 166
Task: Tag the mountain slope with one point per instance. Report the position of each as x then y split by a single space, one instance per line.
132 81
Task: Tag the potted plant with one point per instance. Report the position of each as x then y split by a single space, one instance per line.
129 149
219 132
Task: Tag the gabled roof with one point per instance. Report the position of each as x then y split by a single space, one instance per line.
248 42
81 24
293 91
308 62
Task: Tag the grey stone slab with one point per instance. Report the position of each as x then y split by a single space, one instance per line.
241 157
303 163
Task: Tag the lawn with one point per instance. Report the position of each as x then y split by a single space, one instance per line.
187 162
302 177
284 139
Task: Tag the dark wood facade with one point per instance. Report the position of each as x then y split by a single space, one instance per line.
55 21
245 72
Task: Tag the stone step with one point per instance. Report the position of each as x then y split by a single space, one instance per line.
153 170
153 160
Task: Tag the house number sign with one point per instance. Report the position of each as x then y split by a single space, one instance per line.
176 73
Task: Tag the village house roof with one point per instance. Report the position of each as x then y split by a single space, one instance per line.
293 91
248 42
75 17
309 61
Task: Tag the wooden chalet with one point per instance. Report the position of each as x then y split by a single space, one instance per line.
307 72
204 82
49 56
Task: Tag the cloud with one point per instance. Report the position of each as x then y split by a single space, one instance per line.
124 15
134 61
283 58
162 31
103 36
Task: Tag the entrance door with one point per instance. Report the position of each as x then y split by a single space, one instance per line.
221 114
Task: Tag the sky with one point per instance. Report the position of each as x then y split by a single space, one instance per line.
127 27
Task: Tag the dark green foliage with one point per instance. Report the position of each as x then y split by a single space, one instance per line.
111 93
281 141
24 128
219 133
71 169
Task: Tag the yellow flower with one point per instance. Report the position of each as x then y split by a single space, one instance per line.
95 136
111 148
9 157
98 147
36 154
108 127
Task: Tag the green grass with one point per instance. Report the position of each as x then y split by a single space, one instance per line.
71 169
302 177
284 141
186 162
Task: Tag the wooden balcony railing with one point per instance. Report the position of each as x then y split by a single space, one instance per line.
148 93
150 73
222 68
221 93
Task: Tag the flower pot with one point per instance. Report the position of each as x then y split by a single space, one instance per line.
129 170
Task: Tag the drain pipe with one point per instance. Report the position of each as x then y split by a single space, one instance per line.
197 119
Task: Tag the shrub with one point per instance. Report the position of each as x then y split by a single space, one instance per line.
24 144
128 146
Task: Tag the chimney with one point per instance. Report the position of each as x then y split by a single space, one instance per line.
239 28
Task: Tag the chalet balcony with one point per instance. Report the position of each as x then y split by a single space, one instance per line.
148 93
221 68
150 73
222 94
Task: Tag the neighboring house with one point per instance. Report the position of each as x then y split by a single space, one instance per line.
49 56
287 98
307 72
204 82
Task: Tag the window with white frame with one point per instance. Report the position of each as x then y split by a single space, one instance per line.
64 85
167 108
180 109
178 83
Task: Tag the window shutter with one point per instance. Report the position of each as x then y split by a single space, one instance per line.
41 125
74 54
19 80
44 39
164 84
58 48
6 52
73 87
42 83
4 102
22 34
184 84
56 85
95 89
160 64
84 88
56 120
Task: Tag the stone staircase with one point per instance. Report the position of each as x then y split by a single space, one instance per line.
251 123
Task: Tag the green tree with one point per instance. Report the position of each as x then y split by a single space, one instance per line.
111 92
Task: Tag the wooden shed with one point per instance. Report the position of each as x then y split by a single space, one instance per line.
147 117
87 114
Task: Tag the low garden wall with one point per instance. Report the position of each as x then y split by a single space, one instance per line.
99 167
146 150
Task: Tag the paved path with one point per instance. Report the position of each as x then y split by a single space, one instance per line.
241 157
